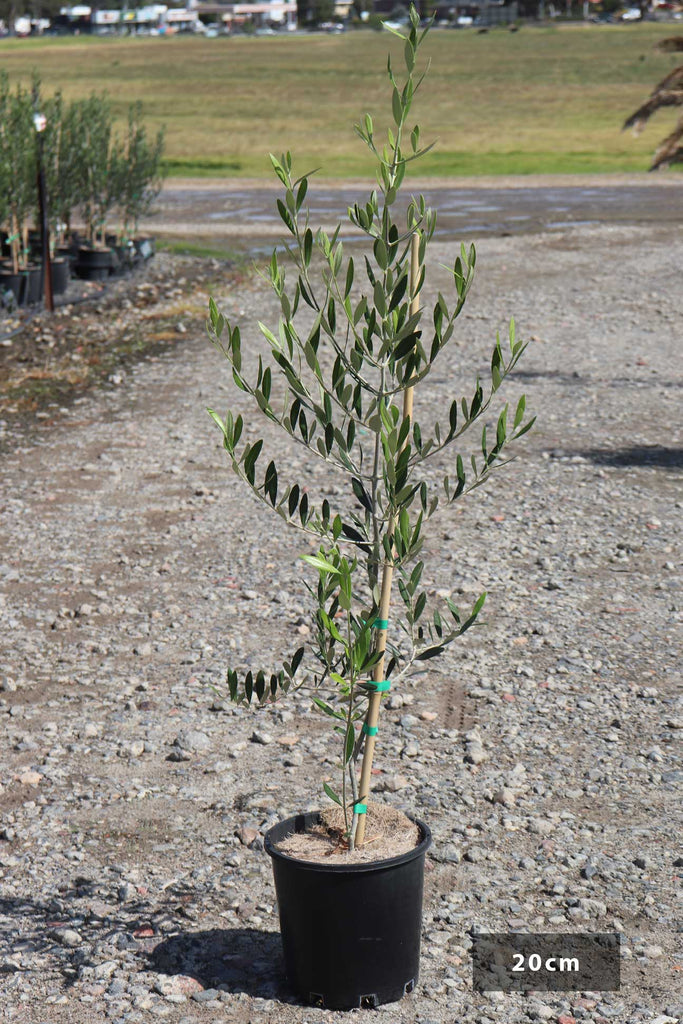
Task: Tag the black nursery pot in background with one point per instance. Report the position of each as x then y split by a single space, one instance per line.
93 264
61 273
350 933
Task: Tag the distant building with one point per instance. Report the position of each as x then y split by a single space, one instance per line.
157 19
267 13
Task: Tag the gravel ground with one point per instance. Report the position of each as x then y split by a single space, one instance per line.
542 751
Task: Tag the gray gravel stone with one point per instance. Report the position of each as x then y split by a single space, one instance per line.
193 740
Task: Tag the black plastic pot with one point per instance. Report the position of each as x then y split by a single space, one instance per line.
93 264
11 282
34 282
350 933
61 274
68 253
24 285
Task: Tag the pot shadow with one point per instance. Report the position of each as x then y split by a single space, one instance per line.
638 455
236 959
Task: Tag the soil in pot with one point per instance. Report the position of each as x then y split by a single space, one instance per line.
389 833
350 931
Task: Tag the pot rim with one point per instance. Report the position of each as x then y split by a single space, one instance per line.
302 820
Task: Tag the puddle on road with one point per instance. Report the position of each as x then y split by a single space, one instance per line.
238 215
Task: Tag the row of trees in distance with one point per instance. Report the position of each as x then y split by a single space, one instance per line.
90 170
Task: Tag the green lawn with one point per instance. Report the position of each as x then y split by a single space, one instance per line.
541 100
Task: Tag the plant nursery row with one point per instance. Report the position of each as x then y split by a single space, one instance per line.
63 164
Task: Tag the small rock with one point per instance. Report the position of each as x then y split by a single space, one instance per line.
392 784
409 721
67 937
543 1011
475 753
208 995
30 778
193 740
178 754
104 971
177 985
247 834
261 737
504 796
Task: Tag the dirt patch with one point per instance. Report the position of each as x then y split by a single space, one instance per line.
49 360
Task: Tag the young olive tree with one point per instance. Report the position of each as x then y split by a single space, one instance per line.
64 162
352 346
98 157
140 170
18 156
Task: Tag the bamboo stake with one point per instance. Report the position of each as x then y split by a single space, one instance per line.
375 700
14 246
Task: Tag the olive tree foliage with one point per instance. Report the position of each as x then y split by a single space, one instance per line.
18 157
348 345
139 171
64 157
100 155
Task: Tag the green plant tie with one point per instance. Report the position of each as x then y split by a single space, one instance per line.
381 623
378 687
12 238
370 730
360 808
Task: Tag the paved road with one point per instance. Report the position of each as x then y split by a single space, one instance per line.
245 215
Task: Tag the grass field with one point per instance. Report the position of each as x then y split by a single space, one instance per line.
542 100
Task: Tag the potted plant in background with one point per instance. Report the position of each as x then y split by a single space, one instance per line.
141 180
352 349
17 153
66 173
99 160
9 282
